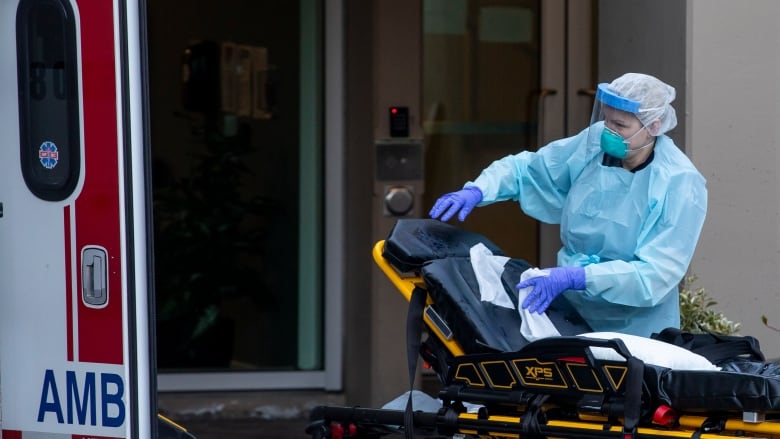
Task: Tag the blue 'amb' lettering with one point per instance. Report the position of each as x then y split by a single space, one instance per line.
81 404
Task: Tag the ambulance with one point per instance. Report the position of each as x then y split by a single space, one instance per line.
76 322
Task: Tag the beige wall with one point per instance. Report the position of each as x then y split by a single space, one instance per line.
722 57
732 118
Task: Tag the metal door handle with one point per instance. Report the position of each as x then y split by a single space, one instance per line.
94 274
543 93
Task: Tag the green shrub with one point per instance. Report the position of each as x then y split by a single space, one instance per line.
696 313
765 321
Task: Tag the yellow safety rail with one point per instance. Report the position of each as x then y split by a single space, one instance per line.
406 285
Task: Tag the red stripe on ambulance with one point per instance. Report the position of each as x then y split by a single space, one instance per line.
68 281
97 213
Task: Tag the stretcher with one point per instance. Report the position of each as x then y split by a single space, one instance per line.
495 383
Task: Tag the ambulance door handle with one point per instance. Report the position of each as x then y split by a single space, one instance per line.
93 276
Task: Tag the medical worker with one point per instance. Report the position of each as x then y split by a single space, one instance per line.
630 204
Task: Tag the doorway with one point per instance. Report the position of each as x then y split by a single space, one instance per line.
501 77
237 145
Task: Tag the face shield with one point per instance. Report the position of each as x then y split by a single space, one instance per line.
612 122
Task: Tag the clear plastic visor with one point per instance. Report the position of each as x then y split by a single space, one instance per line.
606 99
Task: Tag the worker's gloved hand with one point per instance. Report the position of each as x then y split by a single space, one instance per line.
463 200
547 288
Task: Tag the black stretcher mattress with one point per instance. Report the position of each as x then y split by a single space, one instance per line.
741 386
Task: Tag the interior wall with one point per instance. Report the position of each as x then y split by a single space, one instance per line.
733 130
173 27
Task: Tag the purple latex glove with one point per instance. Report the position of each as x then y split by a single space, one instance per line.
547 288
463 200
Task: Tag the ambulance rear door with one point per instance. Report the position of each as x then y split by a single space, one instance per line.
75 356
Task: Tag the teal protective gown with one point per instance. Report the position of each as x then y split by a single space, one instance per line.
635 233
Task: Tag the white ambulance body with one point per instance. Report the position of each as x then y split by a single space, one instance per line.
74 307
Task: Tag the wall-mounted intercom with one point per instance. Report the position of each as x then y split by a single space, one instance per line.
399 172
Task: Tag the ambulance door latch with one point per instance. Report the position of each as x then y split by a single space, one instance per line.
94 274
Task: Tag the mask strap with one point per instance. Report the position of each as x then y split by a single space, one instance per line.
630 150
627 141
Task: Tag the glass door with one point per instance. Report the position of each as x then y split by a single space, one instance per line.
495 83
236 109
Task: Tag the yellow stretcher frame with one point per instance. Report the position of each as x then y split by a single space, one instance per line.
326 421
733 429
406 283
507 426
406 286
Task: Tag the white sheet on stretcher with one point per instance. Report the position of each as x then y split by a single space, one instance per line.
488 268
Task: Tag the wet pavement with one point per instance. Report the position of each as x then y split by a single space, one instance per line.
244 415
246 428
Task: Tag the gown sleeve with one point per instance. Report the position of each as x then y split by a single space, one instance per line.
539 180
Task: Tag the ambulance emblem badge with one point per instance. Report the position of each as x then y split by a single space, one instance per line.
48 155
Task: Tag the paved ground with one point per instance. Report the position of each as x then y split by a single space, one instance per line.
247 428
244 415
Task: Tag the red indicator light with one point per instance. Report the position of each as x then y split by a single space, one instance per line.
399 121
580 360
